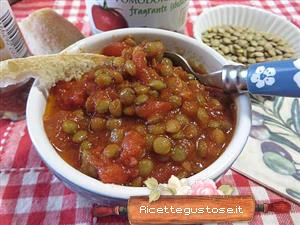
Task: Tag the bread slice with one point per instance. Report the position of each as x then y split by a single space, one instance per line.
47 32
49 69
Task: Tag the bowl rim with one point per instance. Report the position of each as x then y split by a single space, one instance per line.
71 175
198 35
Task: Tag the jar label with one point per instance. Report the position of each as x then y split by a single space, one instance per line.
12 44
107 15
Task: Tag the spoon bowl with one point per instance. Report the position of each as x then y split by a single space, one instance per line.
213 79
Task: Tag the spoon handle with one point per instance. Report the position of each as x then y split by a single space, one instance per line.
280 78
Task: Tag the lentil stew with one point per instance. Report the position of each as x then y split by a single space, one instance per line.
139 117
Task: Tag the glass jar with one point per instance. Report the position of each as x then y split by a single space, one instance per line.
12 45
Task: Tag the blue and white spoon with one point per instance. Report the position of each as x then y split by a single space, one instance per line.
281 78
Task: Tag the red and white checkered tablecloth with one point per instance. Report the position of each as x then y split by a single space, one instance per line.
30 194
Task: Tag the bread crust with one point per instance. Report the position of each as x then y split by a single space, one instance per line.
49 69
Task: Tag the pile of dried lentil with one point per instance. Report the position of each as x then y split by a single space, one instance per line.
245 45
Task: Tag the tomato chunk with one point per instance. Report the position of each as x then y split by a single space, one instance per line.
113 173
114 49
139 59
70 95
133 146
190 108
153 107
165 171
147 75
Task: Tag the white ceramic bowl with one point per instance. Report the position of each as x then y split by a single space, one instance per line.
116 194
246 16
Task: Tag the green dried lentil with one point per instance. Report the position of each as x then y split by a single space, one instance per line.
141 99
157 84
234 43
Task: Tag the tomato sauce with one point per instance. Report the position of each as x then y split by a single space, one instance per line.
138 118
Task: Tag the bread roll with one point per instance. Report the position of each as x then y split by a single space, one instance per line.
46 32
